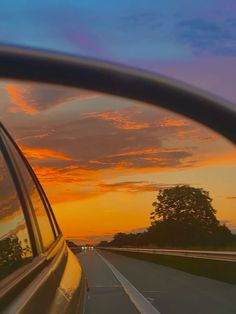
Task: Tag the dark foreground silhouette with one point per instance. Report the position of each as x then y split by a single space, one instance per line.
183 217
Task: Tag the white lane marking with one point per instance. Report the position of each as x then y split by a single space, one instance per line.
140 302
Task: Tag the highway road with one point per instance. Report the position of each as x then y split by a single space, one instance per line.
120 284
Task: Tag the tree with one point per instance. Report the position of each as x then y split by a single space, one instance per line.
184 204
184 216
124 239
103 243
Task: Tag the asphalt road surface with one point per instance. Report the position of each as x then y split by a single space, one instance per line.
167 290
106 294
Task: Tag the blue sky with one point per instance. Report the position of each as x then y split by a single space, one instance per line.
193 41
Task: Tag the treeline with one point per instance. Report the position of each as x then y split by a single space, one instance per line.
173 236
183 217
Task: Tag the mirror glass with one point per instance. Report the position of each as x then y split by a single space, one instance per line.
123 174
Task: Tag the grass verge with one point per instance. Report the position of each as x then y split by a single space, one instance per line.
218 270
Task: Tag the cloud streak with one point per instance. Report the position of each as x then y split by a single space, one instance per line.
132 187
120 119
33 99
42 153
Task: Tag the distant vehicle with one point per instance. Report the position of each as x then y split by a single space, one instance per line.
35 261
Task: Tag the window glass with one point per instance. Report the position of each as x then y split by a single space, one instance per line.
15 247
46 202
38 206
41 214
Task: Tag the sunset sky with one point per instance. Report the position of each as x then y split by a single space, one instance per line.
101 159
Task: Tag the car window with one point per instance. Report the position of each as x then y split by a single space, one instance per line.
15 247
56 228
47 205
44 224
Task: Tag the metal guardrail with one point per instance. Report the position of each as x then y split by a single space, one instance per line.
213 255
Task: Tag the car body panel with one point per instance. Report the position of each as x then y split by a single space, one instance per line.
54 281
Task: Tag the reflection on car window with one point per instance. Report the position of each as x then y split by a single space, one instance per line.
39 209
15 247
41 215
55 226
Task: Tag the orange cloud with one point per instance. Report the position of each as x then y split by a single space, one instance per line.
118 118
197 134
64 195
35 98
66 184
131 187
74 184
96 162
17 95
128 163
36 136
212 159
55 174
67 174
147 151
173 123
42 153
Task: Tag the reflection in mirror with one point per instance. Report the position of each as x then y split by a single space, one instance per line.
120 174
15 248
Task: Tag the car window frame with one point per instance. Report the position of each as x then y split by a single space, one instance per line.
53 222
